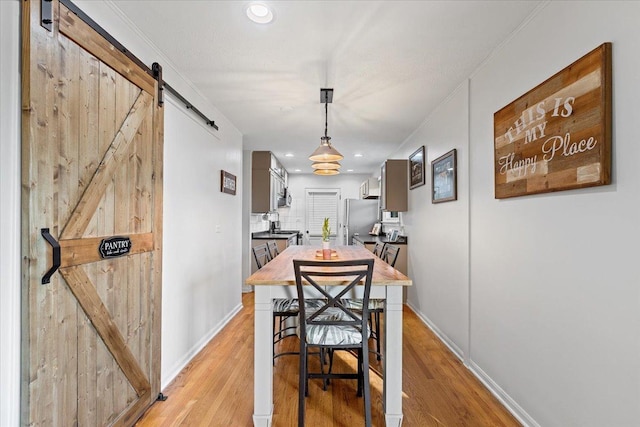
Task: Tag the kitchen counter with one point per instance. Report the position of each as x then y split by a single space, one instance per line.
368 239
268 235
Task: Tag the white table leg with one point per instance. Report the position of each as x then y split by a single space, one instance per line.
263 358
392 394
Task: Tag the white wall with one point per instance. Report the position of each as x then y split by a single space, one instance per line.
553 305
202 238
201 268
555 300
438 258
9 213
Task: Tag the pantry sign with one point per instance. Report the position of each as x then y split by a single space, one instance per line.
557 136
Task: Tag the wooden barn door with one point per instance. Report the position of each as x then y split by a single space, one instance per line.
92 200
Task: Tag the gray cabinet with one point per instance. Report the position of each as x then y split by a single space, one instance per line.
394 185
268 182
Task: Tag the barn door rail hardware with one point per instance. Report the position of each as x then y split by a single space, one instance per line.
190 106
158 76
55 259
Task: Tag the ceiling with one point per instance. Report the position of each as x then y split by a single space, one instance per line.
390 64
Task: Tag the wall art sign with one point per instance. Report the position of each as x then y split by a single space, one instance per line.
557 136
416 168
114 247
444 178
227 183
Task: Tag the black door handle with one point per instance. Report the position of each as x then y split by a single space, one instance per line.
55 259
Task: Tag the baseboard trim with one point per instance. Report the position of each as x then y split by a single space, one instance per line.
511 405
182 363
457 351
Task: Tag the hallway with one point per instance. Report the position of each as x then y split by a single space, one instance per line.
216 388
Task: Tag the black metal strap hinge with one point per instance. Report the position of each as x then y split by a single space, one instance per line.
46 14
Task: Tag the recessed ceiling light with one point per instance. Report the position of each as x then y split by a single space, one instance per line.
259 13
349 170
297 170
357 155
288 155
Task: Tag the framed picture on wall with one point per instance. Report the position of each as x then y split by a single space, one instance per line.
227 183
416 168
376 229
443 178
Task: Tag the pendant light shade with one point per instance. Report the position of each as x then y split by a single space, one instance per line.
325 165
326 172
325 152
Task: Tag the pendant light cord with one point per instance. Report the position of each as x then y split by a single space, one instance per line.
326 113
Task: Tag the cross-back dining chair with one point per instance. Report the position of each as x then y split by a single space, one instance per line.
390 254
333 326
273 248
283 308
378 248
261 254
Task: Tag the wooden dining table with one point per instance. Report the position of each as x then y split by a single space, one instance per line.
277 280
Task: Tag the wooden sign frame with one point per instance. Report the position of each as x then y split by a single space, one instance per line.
557 136
228 183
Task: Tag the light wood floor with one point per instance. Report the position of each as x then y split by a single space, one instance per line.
216 388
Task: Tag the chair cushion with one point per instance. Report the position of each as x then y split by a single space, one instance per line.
285 305
356 304
333 334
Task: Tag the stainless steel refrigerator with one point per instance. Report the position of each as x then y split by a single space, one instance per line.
359 217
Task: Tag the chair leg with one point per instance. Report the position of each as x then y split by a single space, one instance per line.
367 388
359 389
274 341
377 316
302 384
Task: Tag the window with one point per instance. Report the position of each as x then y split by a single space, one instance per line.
321 204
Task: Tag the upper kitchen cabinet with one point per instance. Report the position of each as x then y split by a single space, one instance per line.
394 185
268 183
370 189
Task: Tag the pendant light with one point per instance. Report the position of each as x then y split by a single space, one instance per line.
326 172
325 165
325 152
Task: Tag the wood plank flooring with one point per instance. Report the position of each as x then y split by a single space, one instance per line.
216 388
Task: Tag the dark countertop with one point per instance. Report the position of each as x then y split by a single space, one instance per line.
267 235
367 239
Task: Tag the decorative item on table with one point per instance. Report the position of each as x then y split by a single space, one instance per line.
326 232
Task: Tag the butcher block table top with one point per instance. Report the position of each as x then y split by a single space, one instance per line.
279 271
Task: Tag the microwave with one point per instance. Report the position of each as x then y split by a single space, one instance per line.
285 199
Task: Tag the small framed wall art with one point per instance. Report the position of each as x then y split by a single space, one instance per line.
416 168
227 183
444 178
376 229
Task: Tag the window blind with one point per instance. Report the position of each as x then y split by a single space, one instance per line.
321 204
